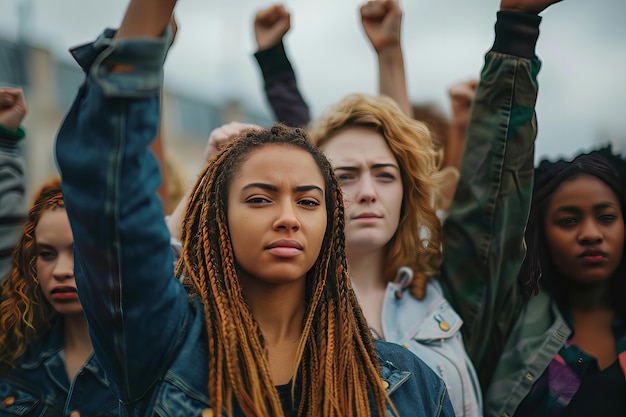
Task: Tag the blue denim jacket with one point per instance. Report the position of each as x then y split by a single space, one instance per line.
146 333
39 386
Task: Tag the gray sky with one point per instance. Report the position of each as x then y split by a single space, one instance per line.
582 47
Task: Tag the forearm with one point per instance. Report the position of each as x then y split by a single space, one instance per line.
455 144
483 235
392 77
146 18
281 87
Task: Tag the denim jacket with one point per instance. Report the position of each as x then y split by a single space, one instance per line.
38 385
146 333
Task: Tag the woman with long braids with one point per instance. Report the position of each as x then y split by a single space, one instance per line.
44 341
269 324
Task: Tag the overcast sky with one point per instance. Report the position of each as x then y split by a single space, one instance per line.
582 47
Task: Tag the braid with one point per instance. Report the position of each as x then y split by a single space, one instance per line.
25 314
336 363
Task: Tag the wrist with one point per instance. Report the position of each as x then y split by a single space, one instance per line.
516 34
12 135
273 61
391 48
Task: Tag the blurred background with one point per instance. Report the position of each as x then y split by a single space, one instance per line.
212 78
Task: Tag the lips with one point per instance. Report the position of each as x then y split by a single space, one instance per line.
285 243
367 215
64 293
285 248
593 256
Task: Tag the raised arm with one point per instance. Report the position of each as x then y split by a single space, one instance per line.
281 88
12 202
483 234
137 312
461 97
382 23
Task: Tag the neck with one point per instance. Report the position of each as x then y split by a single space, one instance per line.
589 297
76 333
279 310
366 270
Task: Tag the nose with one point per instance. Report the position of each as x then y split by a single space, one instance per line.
590 232
286 217
365 191
64 267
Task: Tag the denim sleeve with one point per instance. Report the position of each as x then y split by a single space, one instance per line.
483 237
137 312
12 201
281 87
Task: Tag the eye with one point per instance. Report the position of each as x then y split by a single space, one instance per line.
344 177
46 255
309 202
257 200
567 221
607 218
386 176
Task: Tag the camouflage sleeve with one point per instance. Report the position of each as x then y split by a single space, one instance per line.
483 234
281 87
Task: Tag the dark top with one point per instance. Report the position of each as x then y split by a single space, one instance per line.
289 407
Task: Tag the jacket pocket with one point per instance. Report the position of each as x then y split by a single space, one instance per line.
17 402
441 323
179 400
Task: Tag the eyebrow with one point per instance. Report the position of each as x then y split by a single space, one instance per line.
576 209
270 187
375 166
49 246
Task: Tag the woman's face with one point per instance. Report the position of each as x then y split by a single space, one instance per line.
54 248
370 179
585 230
277 214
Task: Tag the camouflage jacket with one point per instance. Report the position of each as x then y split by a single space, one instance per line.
511 341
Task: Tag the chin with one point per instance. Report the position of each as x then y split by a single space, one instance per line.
364 245
590 279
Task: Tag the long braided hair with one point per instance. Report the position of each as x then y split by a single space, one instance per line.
25 314
417 241
336 363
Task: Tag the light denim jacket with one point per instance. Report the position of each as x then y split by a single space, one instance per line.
38 385
431 329
146 333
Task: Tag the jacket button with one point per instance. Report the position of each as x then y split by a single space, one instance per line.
207 412
398 294
8 401
529 376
